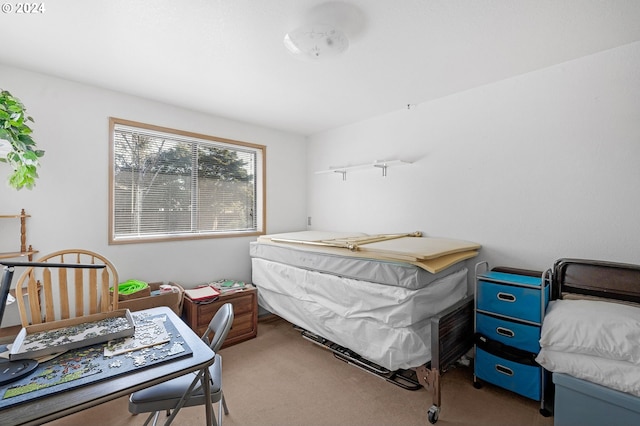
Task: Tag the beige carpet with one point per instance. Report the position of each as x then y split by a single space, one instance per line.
281 379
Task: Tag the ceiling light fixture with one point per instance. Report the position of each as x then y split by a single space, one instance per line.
316 42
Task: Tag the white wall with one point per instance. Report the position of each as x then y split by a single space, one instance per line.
535 168
69 205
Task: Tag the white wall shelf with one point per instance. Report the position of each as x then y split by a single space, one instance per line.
383 165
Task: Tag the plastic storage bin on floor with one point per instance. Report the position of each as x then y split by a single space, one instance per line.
578 402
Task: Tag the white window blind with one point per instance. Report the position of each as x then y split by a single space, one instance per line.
171 184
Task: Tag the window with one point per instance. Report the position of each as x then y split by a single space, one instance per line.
169 184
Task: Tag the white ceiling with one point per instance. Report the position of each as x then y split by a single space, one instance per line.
226 57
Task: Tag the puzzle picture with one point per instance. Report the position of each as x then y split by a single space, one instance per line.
41 339
148 333
155 341
63 369
78 333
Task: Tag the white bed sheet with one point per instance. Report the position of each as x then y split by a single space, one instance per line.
385 324
387 272
619 375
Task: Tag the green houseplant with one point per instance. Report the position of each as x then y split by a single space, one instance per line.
17 148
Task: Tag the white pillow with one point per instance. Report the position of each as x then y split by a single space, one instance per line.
607 330
618 375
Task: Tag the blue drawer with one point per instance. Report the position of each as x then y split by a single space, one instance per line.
519 378
510 300
521 336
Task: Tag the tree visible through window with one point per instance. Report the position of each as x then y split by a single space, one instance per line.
172 184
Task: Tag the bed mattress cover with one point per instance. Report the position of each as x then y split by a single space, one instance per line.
367 266
388 325
393 273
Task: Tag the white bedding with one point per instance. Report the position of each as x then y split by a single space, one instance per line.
387 325
593 340
395 273
618 375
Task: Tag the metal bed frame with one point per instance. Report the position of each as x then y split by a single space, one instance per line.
451 339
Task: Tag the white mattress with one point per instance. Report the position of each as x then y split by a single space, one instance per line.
386 324
386 272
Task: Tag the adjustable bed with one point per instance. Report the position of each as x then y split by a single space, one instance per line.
395 306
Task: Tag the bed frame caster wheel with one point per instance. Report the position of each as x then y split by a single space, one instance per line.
432 414
545 412
477 385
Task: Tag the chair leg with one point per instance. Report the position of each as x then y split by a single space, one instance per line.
153 415
224 404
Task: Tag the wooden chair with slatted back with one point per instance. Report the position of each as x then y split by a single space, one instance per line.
58 293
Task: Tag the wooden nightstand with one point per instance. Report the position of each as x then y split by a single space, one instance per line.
245 311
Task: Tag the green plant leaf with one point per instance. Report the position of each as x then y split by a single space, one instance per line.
26 139
30 155
24 156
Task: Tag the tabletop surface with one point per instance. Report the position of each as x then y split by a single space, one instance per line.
58 405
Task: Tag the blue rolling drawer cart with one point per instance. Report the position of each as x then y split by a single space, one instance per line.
509 308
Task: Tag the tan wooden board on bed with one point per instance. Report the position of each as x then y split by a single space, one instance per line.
443 262
419 247
311 236
430 254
